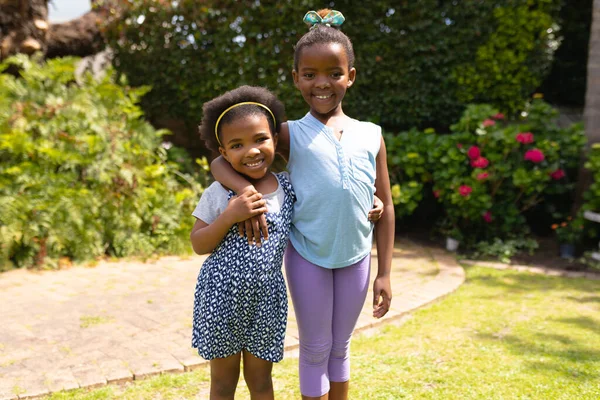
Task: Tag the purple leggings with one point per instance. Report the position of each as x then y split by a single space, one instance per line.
327 303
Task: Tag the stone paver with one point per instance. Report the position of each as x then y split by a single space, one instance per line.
122 321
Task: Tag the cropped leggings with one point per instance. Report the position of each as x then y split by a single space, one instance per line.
327 303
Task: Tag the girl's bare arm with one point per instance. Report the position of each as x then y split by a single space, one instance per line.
384 233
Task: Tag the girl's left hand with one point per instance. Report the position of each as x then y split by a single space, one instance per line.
377 211
382 296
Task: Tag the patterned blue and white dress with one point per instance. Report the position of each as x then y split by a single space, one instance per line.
241 299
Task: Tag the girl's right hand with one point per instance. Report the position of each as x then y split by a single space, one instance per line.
246 205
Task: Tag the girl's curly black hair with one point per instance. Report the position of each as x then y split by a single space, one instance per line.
214 108
323 34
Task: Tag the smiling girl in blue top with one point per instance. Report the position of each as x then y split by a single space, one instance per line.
337 165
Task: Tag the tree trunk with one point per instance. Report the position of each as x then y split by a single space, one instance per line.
24 28
79 37
591 114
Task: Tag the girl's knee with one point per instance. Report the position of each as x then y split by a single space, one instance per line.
223 387
259 383
340 349
223 381
315 354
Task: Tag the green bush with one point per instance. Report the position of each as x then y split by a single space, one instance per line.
514 59
82 174
409 168
489 172
418 62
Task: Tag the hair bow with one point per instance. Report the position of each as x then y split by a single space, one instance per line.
333 18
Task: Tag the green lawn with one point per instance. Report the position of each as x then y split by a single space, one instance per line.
502 335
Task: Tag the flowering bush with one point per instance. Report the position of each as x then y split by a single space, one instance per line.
490 171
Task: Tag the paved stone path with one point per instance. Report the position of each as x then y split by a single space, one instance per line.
122 321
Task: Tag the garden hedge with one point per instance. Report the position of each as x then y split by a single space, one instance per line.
419 62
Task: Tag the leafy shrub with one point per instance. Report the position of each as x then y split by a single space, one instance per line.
82 174
409 168
503 250
489 171
492 173
503 73
580 229
418 62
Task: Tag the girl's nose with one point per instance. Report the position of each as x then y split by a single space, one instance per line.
322 83
253 151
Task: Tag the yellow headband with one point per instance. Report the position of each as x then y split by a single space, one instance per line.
237 105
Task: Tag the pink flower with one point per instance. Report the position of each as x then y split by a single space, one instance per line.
465 190
525 137
558 174
474 152
488 122
480 162
534 155
487 216
498 116
482 176
436 194
459 145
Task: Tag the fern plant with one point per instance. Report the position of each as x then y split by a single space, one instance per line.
82 174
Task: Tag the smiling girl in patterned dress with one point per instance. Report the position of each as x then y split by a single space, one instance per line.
240 308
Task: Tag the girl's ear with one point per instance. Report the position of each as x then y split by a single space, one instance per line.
351 76
295 77
223 153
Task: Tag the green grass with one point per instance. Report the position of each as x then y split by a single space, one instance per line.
502 335
86 321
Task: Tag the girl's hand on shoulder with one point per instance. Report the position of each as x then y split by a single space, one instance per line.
382 296
377 211
246 205
253 228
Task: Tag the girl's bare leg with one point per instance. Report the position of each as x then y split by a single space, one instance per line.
257 373
224 376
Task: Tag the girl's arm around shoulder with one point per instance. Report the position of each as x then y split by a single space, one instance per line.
224 173
283 142
384 233
205 237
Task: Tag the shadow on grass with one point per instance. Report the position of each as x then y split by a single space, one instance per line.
583 323
589 299
561 354
524 282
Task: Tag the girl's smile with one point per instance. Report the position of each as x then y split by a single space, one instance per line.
248 145
323 76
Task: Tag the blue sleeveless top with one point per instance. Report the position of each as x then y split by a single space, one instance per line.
334 182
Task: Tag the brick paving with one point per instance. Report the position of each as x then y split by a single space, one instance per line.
122 321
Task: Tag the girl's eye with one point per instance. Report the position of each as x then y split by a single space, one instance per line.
309 75
236 146
336 74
